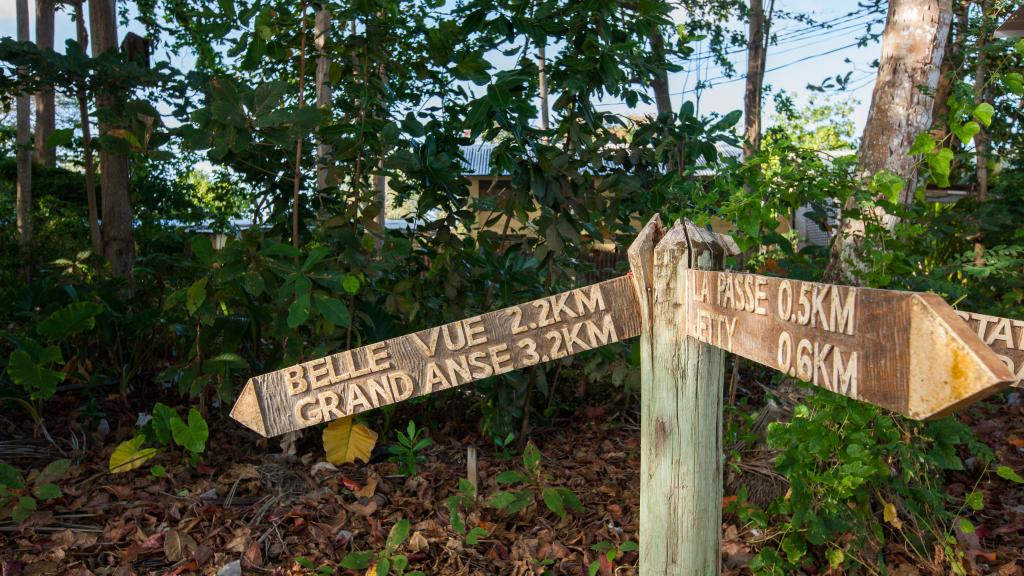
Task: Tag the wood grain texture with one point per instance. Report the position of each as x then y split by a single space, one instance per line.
1005 336
903 351
681 409
439 358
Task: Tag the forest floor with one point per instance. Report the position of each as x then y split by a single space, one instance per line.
244 510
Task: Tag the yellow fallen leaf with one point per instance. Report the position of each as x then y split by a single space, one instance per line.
372 570
345 441
891 517
130 455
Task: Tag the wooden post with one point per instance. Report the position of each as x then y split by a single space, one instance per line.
681 408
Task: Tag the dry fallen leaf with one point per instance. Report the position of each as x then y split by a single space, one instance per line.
418 542
178 546
368 489
346 441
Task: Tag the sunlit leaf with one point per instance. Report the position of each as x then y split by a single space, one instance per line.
130 455
346 441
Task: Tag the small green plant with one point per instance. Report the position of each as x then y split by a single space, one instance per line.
461 504
505 445
18 499
408 452
307 564
165 428
386 561
610 552
534 483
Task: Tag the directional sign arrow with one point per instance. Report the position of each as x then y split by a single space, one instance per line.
905 351
443 357
1005 336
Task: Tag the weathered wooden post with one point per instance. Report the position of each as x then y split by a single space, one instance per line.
681 407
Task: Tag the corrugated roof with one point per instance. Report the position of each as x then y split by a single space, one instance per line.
477 158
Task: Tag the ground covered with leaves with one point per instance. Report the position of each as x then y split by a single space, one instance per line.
246 509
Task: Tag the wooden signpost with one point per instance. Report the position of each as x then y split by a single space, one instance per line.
494 343
903 351
907 352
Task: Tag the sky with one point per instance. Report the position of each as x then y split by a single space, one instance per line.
801 57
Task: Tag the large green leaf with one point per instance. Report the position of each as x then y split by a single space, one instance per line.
332 309
192 436
71 319
298 312
38 380
196 295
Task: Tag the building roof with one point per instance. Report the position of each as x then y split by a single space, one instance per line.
477 158
1013 27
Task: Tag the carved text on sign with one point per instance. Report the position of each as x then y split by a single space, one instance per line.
900 350
1005 336
439 358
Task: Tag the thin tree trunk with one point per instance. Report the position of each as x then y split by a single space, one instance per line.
948 72
323 93
83 111
757 51
542 80
981 138
913 44
660 85
118 246
46 117
23 199
297 179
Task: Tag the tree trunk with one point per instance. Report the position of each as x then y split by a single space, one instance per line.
83 112
46 117
23 199
913 44
980 92
297 176
321 27
542 80
981 142
949 71
118 247
757 51
662 96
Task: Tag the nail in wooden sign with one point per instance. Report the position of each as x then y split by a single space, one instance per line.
1004 336
439 358
905 351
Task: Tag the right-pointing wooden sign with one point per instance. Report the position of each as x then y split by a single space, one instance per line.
1005 336
905 351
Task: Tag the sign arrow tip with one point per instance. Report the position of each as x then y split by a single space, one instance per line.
950 366
247 409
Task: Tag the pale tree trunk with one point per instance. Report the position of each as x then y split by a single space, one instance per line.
323 93
913 44
46 117
757 52
83 112
118 246
542 80
23 199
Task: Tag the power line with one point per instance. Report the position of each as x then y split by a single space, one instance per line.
706 83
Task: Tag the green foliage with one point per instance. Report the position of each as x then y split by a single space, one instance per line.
408 452
532 482
166 426
838 456
20 500
387 560
611 552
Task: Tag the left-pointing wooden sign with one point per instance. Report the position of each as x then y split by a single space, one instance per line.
443 357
